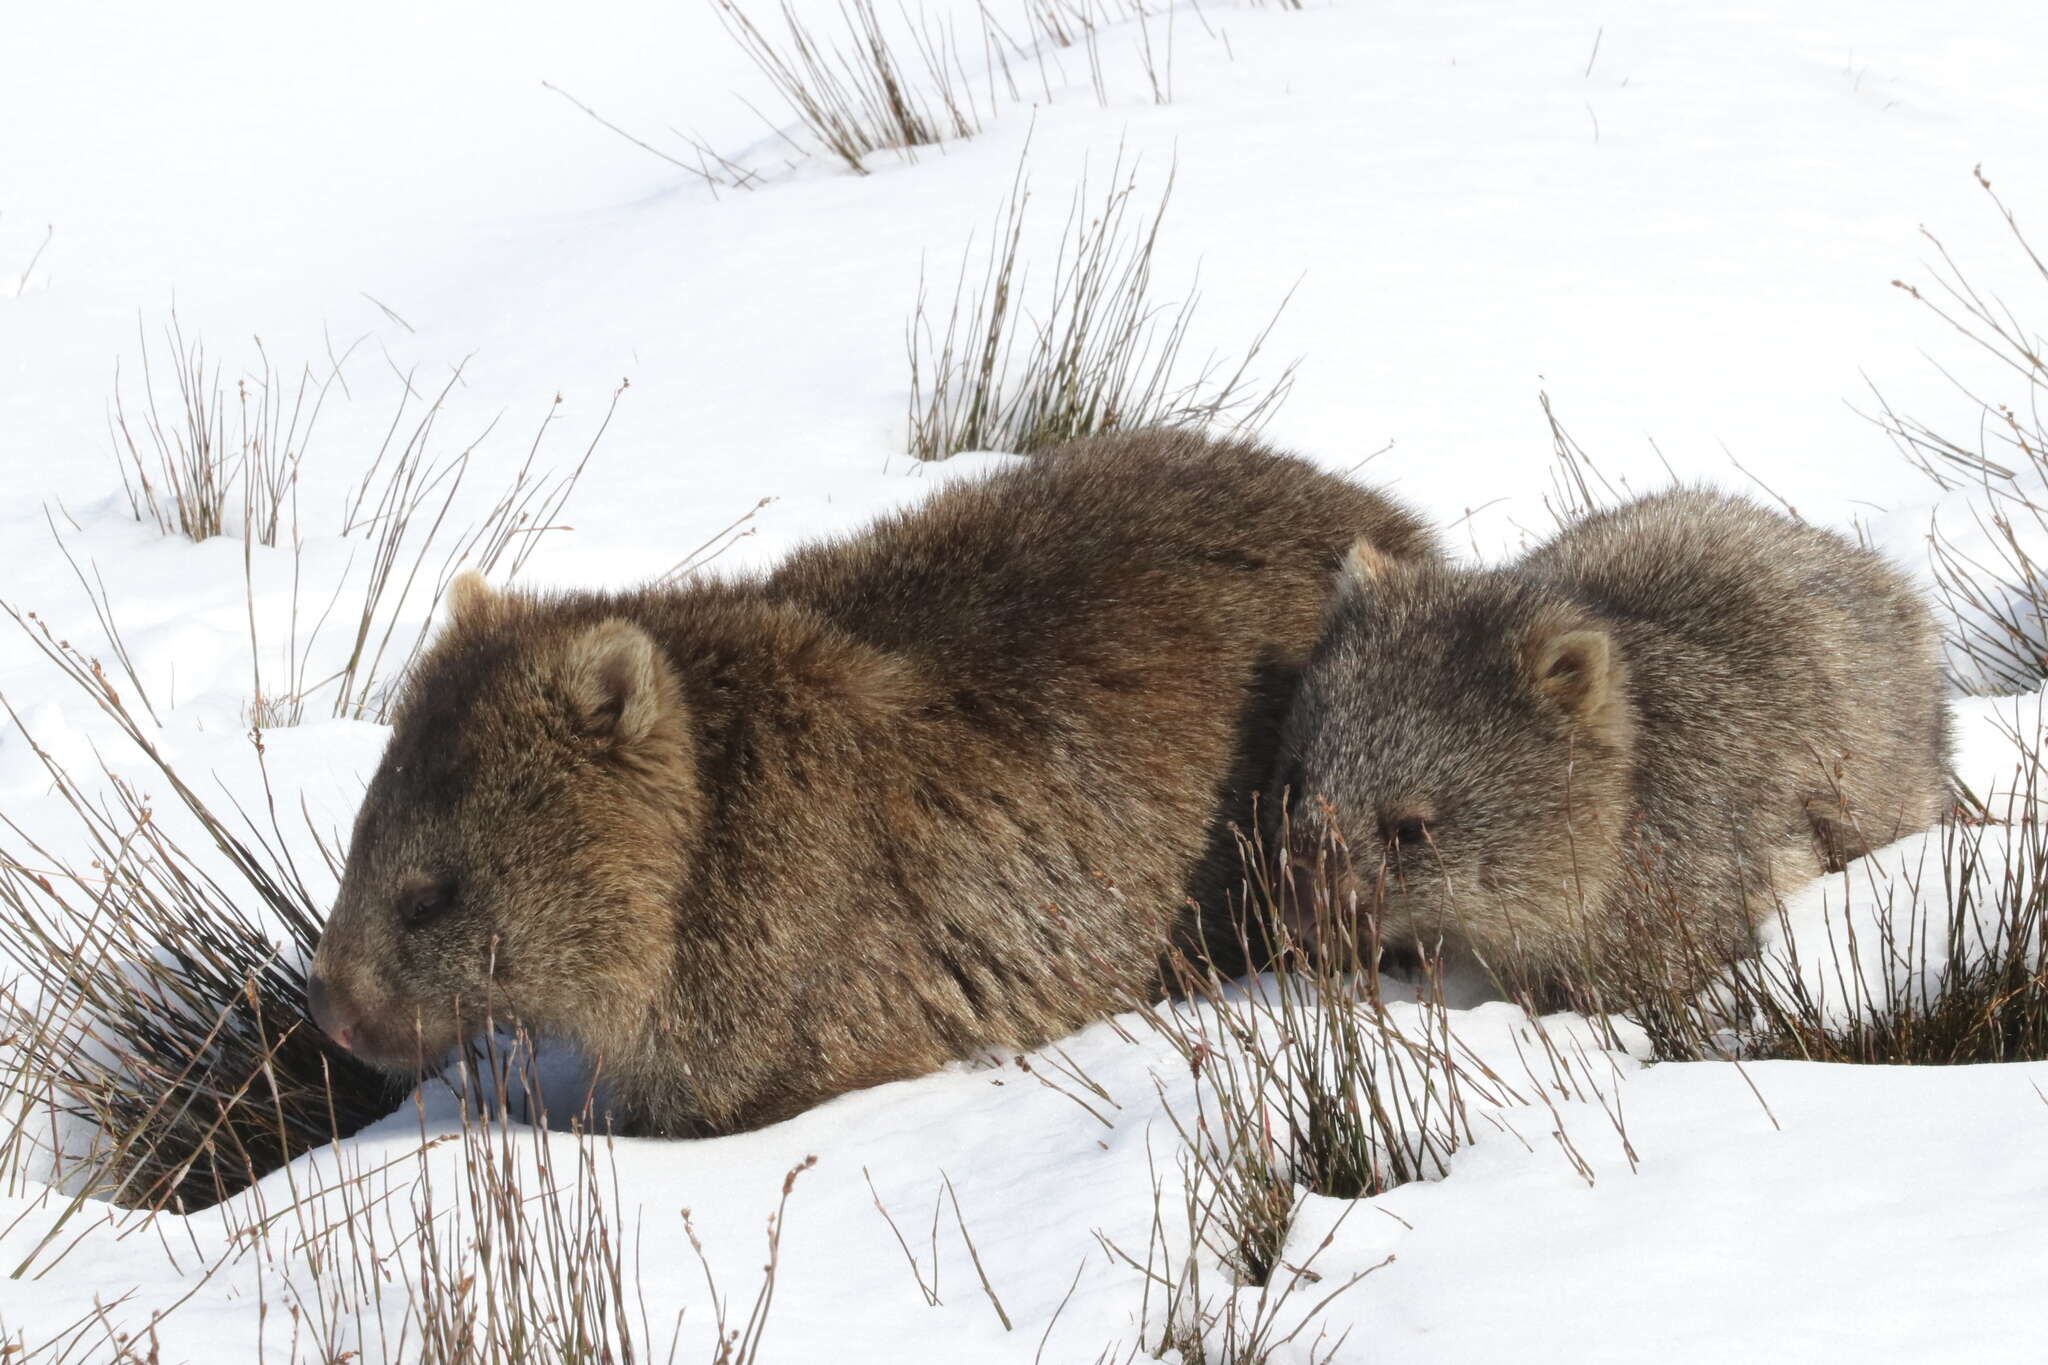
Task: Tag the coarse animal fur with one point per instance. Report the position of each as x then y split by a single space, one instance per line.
943 786
1689 702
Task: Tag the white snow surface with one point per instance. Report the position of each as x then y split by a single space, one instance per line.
1681 221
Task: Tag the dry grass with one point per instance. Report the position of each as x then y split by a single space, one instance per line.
1061 25
1099 353
400 511
1943 963
862 94
163 1010
503 1237
194 473
901 82
1319 1075
187 467
1322 1075
713 171
1202 1310
20 282
526 1262
1998 596
878 86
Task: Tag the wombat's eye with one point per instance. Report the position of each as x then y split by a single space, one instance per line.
1408 832
428 903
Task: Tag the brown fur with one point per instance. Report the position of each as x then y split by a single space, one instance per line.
1689 700
942 786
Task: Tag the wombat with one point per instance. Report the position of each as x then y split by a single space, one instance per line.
944 786
1688 702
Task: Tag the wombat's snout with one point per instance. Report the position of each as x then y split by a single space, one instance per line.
337 1024
1309 873
1319 881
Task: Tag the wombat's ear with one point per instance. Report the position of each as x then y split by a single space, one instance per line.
472 601
1576 667
618 682
1365 562
1365 568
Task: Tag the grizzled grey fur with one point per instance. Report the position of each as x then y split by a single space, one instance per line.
1688 702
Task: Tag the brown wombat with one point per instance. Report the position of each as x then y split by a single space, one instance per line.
1689 701
942 786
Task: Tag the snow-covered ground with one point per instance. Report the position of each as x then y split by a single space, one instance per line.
1680 221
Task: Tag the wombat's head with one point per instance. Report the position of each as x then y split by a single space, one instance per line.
519 848
1456 761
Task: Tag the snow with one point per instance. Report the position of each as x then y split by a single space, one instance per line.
1732 1247
1680 221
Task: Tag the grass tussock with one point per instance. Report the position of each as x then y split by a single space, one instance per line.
1098 353
503 1236
1061 25
1995 582
863 93
159 1008
191 460
1320 1077
1933 954
898 83
528 1260
195 473
1199 1309
875 87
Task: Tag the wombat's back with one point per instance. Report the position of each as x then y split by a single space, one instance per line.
1768 659
1097 551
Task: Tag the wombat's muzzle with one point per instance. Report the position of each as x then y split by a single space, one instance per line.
344 1030
384 1033
1308 886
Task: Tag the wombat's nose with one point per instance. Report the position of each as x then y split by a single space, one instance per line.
1303 870
1316 876
321 1005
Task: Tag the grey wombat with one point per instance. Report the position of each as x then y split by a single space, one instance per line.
1689 701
